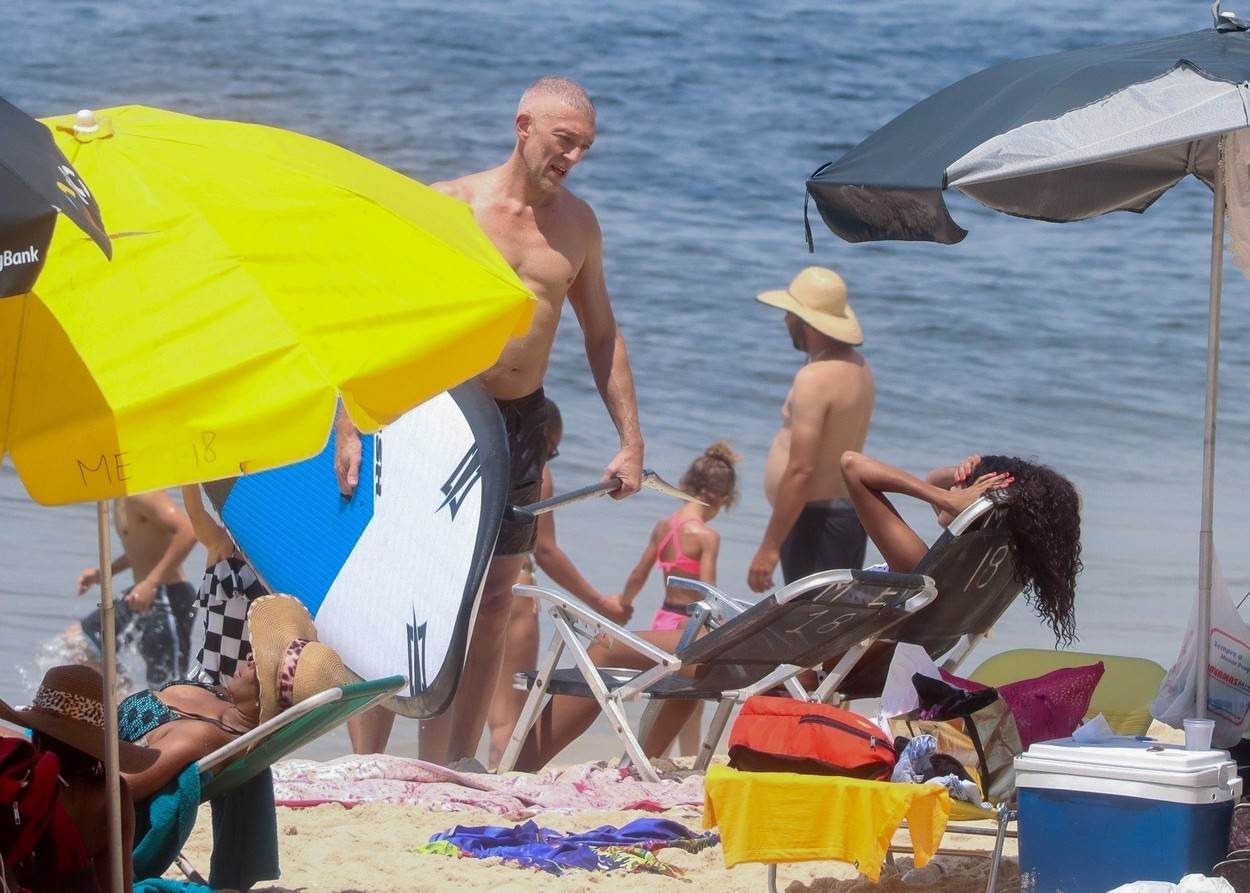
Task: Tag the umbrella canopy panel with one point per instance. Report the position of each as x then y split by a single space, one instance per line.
36 183
997 134
259 275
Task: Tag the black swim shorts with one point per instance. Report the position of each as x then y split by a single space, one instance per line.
827 536
526 422
161 635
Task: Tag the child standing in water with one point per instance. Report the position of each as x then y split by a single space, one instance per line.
684 545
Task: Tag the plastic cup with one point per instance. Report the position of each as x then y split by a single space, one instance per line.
1198 733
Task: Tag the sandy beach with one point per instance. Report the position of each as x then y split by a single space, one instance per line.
329 849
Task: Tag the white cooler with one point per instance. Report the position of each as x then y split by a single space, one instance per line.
1094 816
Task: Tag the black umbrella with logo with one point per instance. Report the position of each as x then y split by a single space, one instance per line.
37 183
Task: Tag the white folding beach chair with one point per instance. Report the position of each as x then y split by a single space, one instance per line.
750 650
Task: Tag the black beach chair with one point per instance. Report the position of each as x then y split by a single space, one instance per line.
975 575
750 650
971 565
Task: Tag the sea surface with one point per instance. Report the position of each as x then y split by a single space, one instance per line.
1081 344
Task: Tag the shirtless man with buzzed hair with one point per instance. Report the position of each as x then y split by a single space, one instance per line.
552 239
813 525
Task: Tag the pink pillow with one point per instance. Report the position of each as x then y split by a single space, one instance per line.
1050 706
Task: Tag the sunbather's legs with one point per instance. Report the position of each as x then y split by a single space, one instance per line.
520 654
691 734
566 717
454 735
899 545
369 731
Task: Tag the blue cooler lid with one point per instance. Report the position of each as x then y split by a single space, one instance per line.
1127 767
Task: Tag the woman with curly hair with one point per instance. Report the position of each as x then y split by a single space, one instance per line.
1043 521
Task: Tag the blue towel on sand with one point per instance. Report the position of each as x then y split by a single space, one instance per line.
529 845
164 822
163 885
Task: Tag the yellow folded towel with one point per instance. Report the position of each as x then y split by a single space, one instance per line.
784 817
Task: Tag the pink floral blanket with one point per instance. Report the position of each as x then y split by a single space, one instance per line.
350 780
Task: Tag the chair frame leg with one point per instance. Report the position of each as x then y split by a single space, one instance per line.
772 879
533 705
1004 818
189 870
715 729
609 703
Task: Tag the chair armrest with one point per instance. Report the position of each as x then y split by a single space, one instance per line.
596 624
697 620
721 606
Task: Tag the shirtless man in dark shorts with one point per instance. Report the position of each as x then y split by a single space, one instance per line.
158 611
813 525
552 239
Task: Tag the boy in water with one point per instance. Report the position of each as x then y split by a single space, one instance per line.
158 611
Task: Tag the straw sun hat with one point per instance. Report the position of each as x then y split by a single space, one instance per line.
818 297
291 665
69 706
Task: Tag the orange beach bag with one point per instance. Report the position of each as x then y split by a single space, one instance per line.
784 735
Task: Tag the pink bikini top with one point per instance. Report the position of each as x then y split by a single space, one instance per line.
680 562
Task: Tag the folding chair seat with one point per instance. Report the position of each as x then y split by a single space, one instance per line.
754 649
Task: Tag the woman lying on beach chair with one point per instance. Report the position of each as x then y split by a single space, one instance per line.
1043 521
187 721
1044 526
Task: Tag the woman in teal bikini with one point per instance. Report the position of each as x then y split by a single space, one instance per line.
187 721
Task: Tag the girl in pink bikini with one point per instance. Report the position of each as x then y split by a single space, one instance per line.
683 545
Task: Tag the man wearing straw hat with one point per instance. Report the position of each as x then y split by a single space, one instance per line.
813 525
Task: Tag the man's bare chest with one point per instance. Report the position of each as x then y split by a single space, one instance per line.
547 258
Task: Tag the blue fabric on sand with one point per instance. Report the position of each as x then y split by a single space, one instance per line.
166 885
529 845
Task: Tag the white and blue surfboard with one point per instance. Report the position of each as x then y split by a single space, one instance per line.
392 575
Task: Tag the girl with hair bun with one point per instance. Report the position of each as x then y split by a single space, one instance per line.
685 545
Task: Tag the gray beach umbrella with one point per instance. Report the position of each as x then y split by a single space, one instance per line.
1063 137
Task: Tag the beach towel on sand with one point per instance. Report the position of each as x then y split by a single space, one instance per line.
164 822
354 779
167 885
785 817
630 847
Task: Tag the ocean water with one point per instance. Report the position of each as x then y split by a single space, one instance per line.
1082 345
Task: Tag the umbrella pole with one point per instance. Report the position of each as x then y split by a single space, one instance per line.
1205 550
108 636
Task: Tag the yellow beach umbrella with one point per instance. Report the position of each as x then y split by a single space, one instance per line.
257 276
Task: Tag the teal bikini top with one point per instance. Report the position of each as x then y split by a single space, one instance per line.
143 712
